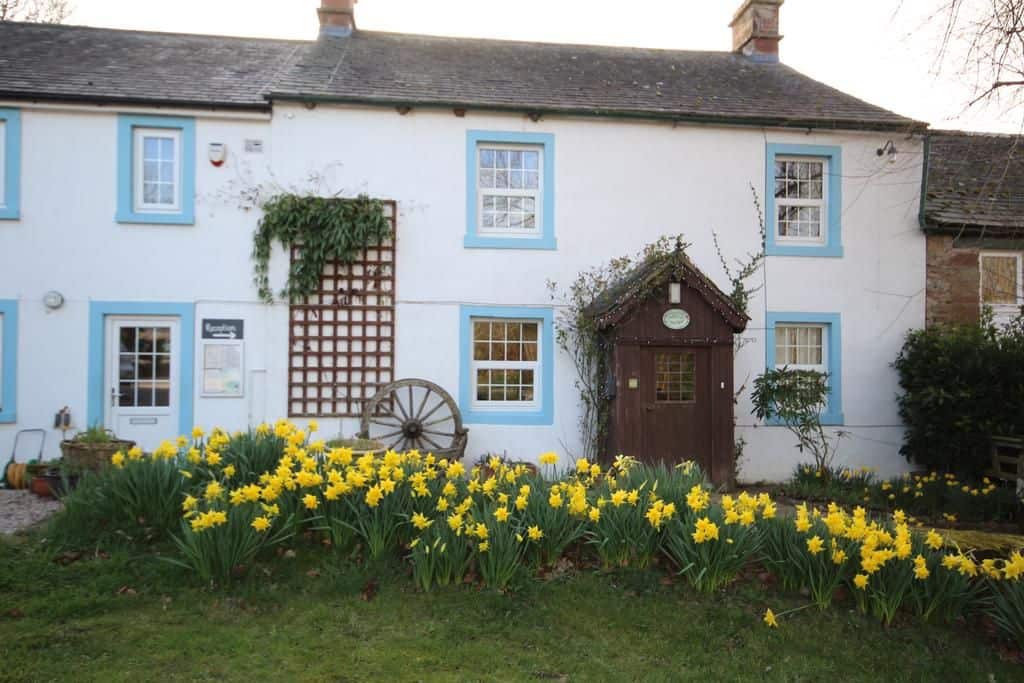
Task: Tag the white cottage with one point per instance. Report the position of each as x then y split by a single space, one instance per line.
128 159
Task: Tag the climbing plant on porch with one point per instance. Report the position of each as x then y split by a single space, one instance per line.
578 335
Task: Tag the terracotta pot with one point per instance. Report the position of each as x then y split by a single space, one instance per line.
41 486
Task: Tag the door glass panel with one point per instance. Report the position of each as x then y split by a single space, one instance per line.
145 394
127 339
163 367
127 394
145 340
126 366
163 339
144 367
162 394
674 376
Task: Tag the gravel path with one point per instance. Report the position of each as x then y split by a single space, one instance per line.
20 509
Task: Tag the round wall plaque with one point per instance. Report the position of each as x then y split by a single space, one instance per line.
675 319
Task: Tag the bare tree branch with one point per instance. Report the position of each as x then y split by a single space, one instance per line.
41 11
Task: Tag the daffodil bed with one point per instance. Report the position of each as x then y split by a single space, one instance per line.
228 503
940 498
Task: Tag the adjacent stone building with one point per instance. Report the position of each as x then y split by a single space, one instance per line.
972 211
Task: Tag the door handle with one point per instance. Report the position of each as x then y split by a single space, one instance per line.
114 395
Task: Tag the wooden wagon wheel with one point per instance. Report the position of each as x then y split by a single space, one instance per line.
415 413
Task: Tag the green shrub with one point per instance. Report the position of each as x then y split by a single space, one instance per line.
1006 608
795 398
960 385
141 498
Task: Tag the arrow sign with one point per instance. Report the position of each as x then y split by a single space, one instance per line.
223 328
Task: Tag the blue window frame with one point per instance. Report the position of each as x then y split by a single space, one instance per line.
10 164
8 360
830 242
832 337
536 228
98 312
170 151
537 402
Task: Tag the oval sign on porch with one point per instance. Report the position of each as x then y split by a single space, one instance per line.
675 319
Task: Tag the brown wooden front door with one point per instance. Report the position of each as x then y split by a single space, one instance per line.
665 403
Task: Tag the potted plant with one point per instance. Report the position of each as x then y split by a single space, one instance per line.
92 448
54 480
359 445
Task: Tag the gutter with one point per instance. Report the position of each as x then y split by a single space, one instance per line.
909 127
921 219
104 100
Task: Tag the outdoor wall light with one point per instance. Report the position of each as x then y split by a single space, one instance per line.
53 300
675 292
888 148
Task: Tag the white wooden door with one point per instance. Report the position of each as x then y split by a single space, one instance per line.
143 370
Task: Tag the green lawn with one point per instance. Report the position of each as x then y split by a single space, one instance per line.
79 622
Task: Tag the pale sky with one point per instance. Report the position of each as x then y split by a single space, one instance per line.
879 50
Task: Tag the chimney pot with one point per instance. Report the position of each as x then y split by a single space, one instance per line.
755 30
337 17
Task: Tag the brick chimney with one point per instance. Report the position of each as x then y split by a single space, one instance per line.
755 30
337 17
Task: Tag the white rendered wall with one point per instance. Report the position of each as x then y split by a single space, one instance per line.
619 185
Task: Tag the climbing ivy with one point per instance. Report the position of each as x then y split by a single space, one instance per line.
325 229
740 294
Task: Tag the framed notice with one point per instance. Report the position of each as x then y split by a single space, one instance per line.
222 368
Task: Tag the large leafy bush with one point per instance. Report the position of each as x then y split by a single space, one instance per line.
961 385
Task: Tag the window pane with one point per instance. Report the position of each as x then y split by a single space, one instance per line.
167 171
513 379
800 346
166 148
674 378
166 194
999 283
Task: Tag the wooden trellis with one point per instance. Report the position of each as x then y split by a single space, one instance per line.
342 338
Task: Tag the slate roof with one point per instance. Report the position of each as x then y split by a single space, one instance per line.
401 69
106 65
77 63
974 184
614 303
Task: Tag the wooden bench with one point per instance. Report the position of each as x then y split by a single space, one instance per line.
1008 460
